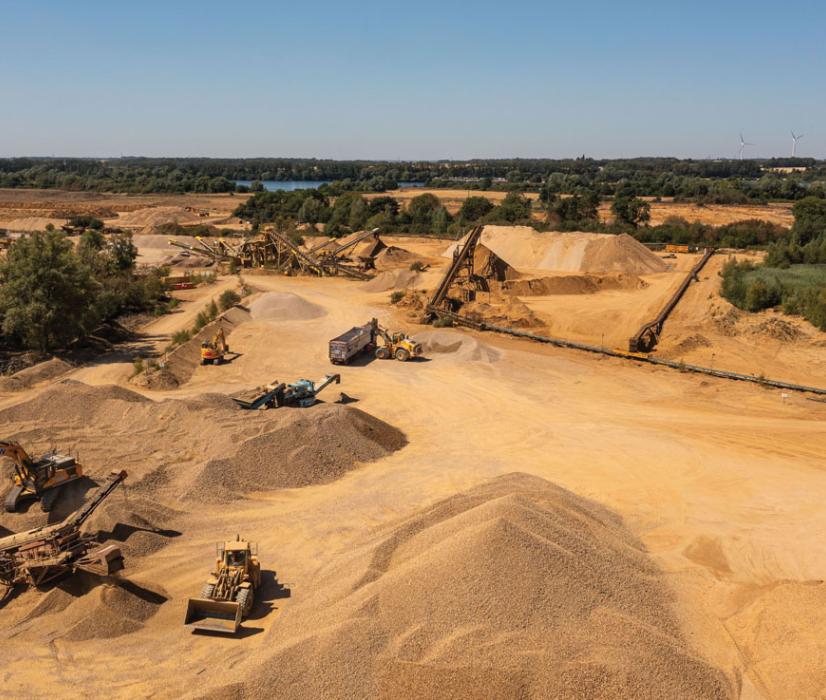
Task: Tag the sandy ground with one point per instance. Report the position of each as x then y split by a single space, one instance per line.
26 210
723 484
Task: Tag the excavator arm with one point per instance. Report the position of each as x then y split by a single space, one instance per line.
23 464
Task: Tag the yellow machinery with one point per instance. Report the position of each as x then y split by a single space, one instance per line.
213 351
38 479
229 593
398 345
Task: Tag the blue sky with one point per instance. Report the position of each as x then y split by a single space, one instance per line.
411 80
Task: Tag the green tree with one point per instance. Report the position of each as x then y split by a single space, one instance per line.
422 208
47 293
631 210
809 219
122 251
474 208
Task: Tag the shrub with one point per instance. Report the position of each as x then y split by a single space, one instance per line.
417 266
396 297
228 299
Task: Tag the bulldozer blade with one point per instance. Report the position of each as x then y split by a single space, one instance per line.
102 561
222 616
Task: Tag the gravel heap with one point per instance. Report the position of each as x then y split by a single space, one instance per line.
514 589
305 447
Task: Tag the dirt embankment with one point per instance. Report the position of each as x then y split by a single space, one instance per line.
41 372
516 588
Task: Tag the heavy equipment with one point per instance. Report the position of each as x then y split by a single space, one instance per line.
40 478
213 351
358 339
44 553
302 393
398 345
229 593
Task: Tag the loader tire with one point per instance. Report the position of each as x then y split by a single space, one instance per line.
245 600
208 590
382 353
402 355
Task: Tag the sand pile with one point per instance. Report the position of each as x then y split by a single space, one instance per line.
457 345
393 256
41 372
393 279
524 249
284 306
88 610
571 284
778 329
514 589
149 218
306 447
30 224
508 312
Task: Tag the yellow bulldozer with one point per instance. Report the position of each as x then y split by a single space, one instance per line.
37 479
229 593
213 351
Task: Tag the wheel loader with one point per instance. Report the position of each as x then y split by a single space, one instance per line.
37 479
397 345
229 593
213 351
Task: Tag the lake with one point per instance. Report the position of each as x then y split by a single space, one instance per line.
290 185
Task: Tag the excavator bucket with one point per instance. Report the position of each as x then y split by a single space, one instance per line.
222 616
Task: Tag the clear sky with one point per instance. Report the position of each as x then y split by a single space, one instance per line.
411 80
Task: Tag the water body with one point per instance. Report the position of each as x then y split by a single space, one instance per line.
290 185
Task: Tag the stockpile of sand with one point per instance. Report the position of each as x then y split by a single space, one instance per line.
393 256
571 284
456 345
514 589
83 608
305 447
284 306
41 372
149 218
523 248
393 279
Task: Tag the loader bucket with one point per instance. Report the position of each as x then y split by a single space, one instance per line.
223 616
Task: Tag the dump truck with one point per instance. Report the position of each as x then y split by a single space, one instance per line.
349 344
213 351
45 553
37 479
229 593
366 338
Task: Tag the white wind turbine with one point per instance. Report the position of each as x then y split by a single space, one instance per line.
795 139
743 144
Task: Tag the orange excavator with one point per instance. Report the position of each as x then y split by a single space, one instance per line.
213 351
40 479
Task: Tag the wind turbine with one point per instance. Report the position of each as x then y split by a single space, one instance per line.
743 144
795 139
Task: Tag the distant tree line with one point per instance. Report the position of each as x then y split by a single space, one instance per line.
722 181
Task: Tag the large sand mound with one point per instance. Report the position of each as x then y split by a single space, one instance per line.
523 248
514 589
284 306
149 218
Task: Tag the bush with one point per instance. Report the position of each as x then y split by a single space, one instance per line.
181 337
228 299
396 297
417 266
